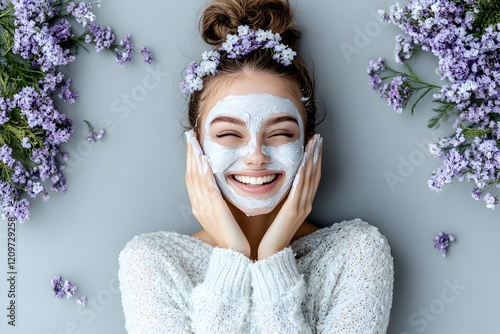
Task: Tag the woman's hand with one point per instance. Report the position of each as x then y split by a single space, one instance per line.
298 205
208 206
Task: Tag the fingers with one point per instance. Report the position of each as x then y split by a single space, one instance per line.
312 173
194 149
199 176
309 171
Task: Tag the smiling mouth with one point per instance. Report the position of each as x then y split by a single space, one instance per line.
255 181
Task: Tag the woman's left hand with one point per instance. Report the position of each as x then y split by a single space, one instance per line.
298 205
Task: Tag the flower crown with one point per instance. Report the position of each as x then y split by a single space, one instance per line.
236 46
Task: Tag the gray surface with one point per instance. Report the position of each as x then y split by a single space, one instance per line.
134 181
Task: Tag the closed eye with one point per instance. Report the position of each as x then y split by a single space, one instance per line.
228 134
286 134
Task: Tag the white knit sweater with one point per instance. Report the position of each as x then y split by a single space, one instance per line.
337 279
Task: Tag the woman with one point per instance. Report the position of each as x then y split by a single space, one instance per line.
253 167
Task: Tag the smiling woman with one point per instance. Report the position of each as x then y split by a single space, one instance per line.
252 171
266 141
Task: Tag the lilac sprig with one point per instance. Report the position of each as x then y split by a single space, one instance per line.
247 40
235 47
65 288
104 38
465 37
125 50
147 56
37 40
396 87
442 241
195 72
94 135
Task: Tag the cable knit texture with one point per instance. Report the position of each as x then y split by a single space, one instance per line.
338 279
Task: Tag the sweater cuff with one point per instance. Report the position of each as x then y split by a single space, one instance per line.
274 276
227 273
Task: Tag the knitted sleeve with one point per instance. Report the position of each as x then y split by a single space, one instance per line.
278 291
160 296
221 302
361 299
348 291
151 299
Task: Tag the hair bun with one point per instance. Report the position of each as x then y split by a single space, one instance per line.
222 17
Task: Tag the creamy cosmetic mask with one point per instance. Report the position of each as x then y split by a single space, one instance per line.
254 110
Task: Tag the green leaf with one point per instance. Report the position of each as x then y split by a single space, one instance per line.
488 15
442 113
420 98
471 133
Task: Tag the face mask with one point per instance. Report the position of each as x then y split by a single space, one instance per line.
254 110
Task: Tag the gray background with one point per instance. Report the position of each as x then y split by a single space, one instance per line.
133 181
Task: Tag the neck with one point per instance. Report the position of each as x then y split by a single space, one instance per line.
254 227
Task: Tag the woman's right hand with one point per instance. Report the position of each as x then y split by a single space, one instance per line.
207 204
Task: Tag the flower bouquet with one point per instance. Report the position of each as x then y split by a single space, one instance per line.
465 37
36 41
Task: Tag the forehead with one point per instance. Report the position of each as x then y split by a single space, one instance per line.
252 107
245 83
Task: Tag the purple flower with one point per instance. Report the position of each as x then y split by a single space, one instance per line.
61 30
234 47
25 142
404 48
396 93
375 81
491 201
40 44
376 66
125 51
20 175
6 156
468 63
442 242
147 56
93 135
48 167
34 188
64 156
34 127
69 289
81 12
6 107
101 37
33 10
82 301
57 287
66 94
51 81
476 193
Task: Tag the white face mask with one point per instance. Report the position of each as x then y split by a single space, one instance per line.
254 110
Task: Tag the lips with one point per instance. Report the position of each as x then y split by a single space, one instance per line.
253 184
255 181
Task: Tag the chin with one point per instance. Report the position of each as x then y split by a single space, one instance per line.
263 210
254 212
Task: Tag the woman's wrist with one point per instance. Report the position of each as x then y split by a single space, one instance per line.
264 252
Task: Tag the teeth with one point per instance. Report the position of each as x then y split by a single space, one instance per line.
255 181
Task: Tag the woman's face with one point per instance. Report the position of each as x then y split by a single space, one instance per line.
252 131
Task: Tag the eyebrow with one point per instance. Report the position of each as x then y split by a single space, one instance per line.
279 119
239 121
228 119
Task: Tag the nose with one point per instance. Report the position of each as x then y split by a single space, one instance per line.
256 157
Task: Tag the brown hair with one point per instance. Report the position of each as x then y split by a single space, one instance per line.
222 17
